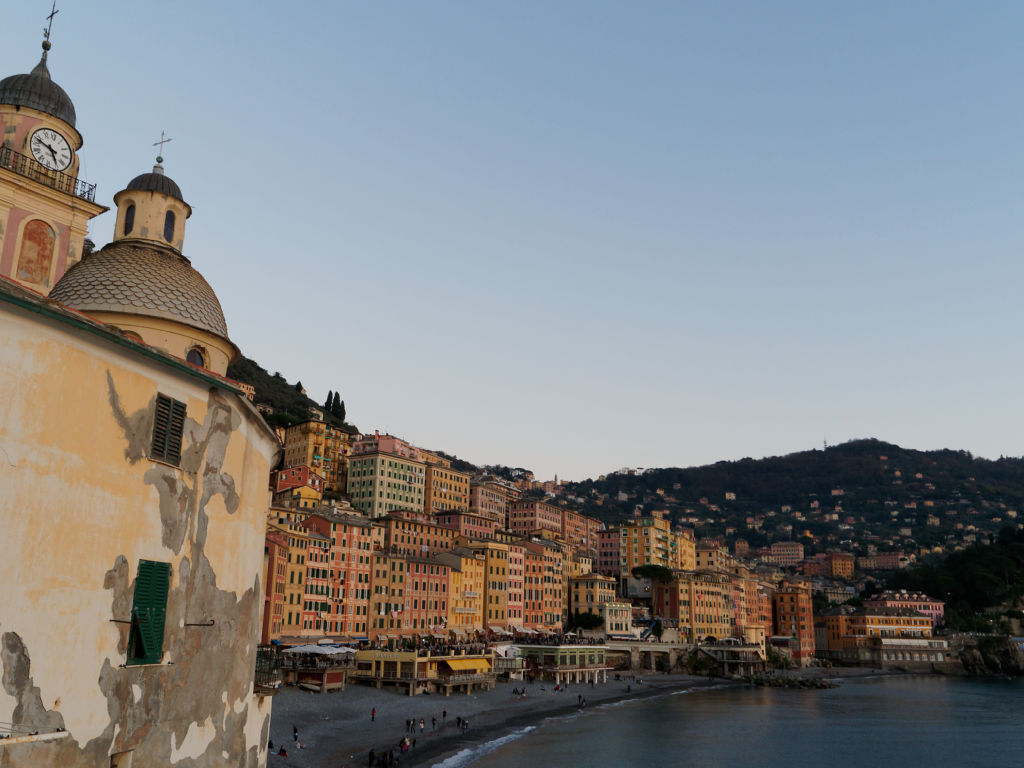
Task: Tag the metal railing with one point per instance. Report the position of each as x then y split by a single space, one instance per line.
268 672
23 165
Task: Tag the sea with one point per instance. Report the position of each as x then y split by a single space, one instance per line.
865 722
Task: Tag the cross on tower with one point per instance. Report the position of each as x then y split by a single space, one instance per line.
53 12
161 145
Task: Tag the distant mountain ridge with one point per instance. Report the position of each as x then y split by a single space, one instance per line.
874 489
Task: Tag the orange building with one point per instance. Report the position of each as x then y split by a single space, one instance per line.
794 618
465 591
322 447
406 534
275 578
490 496
444 489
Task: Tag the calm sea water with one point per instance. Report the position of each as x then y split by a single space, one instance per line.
895 721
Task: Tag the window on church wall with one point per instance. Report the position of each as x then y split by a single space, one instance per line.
196 357
129 219
169 226
37 242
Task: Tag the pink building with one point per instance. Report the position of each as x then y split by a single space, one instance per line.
915 601
469 525
525 517
581 532
490 497
608 552
784 553
516 584
379 443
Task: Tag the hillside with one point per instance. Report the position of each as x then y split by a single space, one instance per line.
860 493
289 404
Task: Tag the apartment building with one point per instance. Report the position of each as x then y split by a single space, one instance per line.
386 474
321 447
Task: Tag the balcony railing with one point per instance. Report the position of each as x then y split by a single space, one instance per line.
267 676
23 165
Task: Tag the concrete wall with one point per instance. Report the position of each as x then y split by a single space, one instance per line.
80 505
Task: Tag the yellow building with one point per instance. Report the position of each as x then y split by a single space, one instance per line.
385 474
495 606
651 541
138 571
589 592
322 447
466 593
444 489
701 603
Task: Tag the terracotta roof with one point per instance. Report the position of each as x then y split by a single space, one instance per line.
142 279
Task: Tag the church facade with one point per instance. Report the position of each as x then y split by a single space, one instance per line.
133 474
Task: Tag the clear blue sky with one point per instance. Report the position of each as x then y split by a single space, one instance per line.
576 236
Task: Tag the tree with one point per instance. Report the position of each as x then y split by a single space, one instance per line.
298 386
336 410
328 402
654 573
341 410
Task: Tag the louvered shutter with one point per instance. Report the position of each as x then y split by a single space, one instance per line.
149 611
168 428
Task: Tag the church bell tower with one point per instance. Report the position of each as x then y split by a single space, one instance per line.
44 207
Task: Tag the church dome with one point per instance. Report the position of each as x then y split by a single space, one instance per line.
142 279
156 181
37 91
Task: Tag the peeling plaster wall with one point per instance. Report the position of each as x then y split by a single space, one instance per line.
80 505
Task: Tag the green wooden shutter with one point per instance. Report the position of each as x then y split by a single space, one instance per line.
149 611
168 428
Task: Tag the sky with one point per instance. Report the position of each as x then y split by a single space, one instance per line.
579 236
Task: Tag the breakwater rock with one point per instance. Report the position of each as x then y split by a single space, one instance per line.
784 681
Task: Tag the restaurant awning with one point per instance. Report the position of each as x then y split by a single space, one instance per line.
324 650
499 629
469 665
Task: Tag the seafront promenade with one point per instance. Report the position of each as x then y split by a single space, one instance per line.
336 729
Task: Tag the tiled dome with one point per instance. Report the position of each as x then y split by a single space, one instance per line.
38 91
140 279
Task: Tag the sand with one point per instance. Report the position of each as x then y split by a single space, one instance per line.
337 731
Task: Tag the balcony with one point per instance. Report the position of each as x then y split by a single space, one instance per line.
23 165
267 677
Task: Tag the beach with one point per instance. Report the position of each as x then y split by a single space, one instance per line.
337 730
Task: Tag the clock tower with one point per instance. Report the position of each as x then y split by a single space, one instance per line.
44 207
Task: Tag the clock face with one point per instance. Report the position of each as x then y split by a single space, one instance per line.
50 149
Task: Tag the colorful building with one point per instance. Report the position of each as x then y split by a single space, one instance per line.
444 489
794 618
320 446
386 474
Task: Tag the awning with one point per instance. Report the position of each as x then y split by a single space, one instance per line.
469 665
439 635
499 629
324 650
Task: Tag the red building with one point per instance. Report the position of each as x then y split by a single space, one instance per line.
477 527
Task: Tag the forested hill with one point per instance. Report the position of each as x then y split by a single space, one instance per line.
289 404
863 488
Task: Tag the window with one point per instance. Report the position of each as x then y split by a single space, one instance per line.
168 425
196 357
37 242
149 609
129 219
169 226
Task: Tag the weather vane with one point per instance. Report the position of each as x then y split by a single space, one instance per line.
161 143
53 12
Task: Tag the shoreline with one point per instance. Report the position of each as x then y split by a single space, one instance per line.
338 732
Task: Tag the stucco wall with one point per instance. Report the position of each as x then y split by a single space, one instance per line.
80 505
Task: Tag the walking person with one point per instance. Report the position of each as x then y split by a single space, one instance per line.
373 714
433 723
422 725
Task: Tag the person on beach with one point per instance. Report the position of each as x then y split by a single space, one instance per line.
444 716
371 759
433 723
373 714
422 725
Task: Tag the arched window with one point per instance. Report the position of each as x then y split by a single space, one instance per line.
169 226
37 241
196 357
129 219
